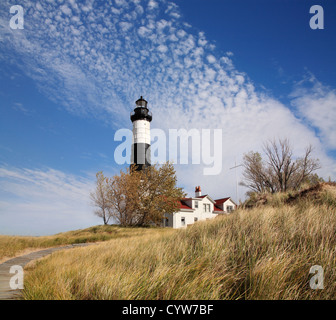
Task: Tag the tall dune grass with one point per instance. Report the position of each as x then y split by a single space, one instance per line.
262 253
14 245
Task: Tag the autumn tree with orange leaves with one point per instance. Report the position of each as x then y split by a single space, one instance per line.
137 198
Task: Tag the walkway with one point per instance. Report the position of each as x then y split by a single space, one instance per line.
6 293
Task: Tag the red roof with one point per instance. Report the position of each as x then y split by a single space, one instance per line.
183 205
220 201
217 208
202 196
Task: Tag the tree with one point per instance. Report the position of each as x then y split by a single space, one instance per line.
281 166
158 193
99 198
122 195
141 197
306 166
280 172
254 173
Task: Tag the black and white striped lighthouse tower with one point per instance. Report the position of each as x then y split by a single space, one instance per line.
141 118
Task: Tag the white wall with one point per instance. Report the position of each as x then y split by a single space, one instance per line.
229 203
190 216
141 131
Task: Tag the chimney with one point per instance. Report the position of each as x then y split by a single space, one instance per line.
198 192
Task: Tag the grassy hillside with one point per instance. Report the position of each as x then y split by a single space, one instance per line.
261 253
14 245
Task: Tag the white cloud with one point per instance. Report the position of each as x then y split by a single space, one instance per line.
139 10
18 106
317 105
120 3
211 58
73 4
162 48
172 10
66 10
152 4
125 26
46 201
181 33
175 15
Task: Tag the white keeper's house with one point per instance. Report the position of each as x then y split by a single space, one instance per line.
197 209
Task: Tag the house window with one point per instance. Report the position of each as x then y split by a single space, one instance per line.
208 207
196 204
204 207
195 219
183 221
229 208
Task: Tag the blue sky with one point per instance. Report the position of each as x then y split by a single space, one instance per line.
69 79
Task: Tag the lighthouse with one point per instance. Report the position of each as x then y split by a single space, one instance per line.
141 118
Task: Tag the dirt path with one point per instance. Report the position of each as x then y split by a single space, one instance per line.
6 293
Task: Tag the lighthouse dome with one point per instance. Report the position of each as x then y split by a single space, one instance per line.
141 111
